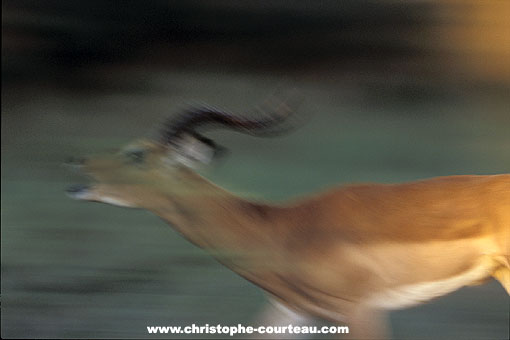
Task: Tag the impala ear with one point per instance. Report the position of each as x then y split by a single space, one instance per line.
194 150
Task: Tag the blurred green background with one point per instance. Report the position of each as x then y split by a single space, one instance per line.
393 91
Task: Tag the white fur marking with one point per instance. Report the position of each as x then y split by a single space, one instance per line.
409 295
115 201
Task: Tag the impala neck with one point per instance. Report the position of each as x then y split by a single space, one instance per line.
217 220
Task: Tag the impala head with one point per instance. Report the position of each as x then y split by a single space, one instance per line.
147 170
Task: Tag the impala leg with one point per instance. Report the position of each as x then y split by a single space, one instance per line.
502 271
277 314
367 323
502 274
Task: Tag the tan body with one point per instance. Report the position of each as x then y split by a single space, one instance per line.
376 246
341 255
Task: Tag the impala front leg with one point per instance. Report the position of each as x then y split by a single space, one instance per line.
367 323
278 315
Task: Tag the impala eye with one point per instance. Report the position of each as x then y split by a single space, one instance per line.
136 156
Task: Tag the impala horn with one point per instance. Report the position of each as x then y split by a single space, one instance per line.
181 131
270 123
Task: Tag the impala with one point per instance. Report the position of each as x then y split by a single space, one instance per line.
345 255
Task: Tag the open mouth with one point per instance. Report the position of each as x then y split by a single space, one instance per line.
79 191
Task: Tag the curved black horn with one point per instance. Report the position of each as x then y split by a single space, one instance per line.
203 117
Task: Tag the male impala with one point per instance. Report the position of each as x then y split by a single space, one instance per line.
344 255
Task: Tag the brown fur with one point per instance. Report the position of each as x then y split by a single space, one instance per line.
339 254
